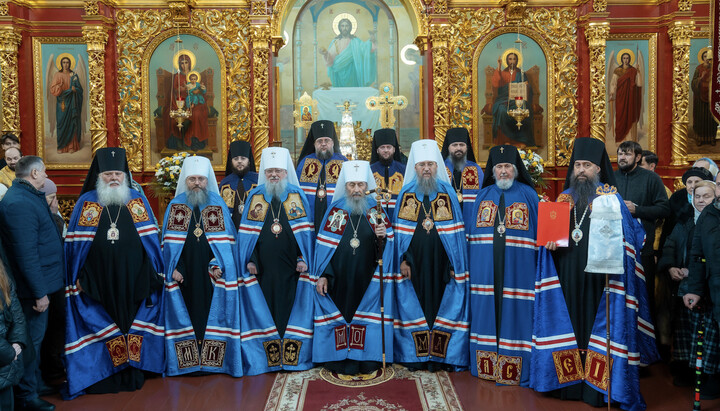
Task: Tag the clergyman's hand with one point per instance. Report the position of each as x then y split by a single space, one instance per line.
405 269
321 286
176 276
77 284
301 267
216 273
551 245
252 268
380 230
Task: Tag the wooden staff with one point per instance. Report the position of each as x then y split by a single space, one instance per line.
380 248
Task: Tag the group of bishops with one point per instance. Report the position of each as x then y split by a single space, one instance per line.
432 264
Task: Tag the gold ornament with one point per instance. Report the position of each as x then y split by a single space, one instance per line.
597 34
96 37
680 35
9 42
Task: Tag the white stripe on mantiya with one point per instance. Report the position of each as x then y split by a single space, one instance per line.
515 345
91 338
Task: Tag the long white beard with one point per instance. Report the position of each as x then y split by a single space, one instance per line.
358 204
276 189
197 197
427 185
504 183
112 195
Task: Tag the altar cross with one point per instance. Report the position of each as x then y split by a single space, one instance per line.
387 104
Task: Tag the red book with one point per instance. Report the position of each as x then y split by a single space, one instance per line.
553 223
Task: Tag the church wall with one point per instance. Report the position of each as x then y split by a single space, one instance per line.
447 43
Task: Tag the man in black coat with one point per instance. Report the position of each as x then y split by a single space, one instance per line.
645 197
35 252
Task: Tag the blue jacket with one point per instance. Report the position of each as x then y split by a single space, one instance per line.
32 241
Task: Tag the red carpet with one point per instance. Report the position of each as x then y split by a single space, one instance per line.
419 390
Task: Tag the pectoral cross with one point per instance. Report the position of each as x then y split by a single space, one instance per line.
502 150
387 104
113 153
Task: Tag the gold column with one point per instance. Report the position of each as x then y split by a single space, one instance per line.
9 42
96 38
597 34
438 34
261 40
680 34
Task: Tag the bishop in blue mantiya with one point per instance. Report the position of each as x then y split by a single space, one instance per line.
431 306
464 173
386 164
347 319
502 257
114 306
240 177
202 319
319 168
569 324
275 243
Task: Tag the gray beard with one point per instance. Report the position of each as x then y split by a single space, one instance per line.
427 185
504 183
197 197
358 205
458 163
324 155
583 190
108 195
276 189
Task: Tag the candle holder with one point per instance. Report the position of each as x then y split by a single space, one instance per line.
519 113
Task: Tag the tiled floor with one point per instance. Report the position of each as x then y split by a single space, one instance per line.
249 393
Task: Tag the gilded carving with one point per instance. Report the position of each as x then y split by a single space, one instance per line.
516 11
231 30
96 38
684 5
261 94
91 8
596 35
258 8
441 6
438 34
135 29
9 43
180 11
4 10
466 29
680 35
557 30
599 6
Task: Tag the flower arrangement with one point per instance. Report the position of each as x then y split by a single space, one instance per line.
535 165
168 171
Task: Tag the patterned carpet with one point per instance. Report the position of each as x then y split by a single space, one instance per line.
317 389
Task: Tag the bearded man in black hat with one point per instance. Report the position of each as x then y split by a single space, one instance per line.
319 168
502 259
582 291
465 175
240 177
386 164
114 285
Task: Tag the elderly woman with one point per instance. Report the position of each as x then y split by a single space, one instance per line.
682 253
